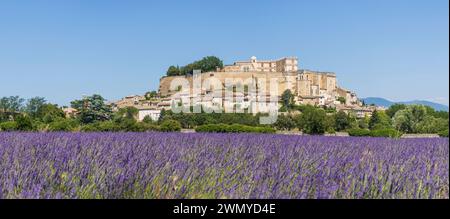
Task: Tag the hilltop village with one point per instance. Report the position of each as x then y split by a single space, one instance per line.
258 96
307 87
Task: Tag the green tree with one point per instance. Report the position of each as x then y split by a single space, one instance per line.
206 64
11 104
92 108
127 124
444 133
128 112
209 63
440 114
430 124
394 109
408 119
48 113
330 121
126 119
363 123
150 95
24 123
342 100
379 120
63 125
147 119
170 126
313 121
33 105
344 121
285 123
173 71
287 100
163 114
402 121
437 114
8 126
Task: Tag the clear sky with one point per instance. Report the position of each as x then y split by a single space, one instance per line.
397 49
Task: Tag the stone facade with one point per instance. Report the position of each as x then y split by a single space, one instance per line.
318 87
146 111
287 64
284 80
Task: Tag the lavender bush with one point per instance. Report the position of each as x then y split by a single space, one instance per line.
175 165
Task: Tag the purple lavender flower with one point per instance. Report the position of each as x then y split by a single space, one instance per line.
199 165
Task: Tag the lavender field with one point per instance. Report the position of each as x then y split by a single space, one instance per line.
175 165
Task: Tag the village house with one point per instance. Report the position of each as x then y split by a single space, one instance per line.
151 112
69 112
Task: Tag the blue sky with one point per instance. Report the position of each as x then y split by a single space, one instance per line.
397 49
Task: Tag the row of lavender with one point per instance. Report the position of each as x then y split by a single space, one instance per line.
175 165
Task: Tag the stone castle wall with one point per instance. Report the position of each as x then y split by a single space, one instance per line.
245 78
305 84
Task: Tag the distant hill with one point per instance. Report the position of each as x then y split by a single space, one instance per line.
386 103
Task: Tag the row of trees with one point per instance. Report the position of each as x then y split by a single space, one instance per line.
401 118
192 120
419 119
315 120
36 114
209 63
95 115
18 114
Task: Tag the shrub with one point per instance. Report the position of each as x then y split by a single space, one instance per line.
62 125
363 123
93 127
8 126
313 121
391 133
24 123
234 128
264 130
143 127
285 123
147 119
126 124
358 132
212 128
444 133
133 126
331 131
107 126
170 126
40 126
342 121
